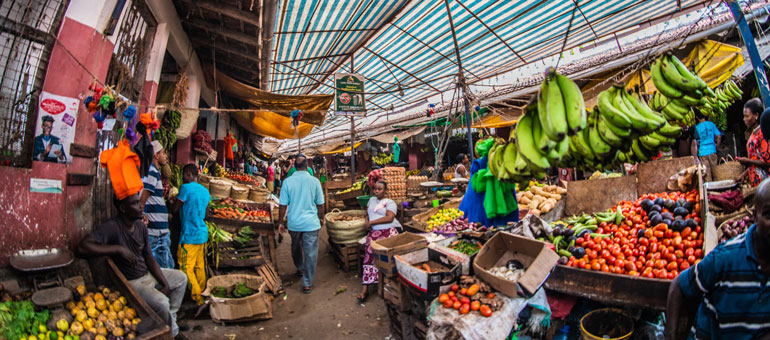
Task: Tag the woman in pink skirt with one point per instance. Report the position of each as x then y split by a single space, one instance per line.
381 223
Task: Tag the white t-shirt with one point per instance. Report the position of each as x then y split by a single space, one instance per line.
378 209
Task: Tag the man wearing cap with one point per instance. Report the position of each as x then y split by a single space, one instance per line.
155 209
45 142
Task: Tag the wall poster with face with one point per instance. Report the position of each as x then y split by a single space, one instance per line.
55 128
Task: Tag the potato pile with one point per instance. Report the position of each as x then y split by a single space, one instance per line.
102 315
540 200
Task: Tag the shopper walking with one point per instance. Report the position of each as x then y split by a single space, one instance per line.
156 211
707 139
193 199
381 223
302 202
757 148
729 284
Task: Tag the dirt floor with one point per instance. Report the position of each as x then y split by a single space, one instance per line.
318 315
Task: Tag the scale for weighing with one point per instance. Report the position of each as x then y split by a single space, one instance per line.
42 266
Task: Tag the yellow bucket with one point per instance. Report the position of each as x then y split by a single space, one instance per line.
611 322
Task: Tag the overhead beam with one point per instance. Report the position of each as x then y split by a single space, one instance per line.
364 42
310 59
222 32
490 30
251 18
219 65
327 31
402 69
200 41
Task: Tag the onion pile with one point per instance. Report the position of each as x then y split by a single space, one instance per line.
734 228
458 224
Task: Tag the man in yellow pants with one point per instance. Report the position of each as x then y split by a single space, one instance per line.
193 199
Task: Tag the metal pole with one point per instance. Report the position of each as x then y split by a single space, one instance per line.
352 151
461 80
352 137
751 47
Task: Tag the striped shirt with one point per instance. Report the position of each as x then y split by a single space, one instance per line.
735 296
155 207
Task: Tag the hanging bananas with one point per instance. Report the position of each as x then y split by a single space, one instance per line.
166 133
725 95
679 90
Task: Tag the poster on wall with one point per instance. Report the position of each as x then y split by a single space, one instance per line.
55 128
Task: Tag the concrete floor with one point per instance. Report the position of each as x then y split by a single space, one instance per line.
318 315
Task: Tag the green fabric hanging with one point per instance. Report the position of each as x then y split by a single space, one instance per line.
498 196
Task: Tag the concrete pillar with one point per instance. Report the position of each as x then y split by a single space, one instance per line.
154 67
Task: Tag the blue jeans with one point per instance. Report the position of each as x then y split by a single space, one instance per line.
304 252
166 306
161 250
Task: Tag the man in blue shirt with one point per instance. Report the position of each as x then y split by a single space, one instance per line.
302 195
194 199
155 210
730 284
707 139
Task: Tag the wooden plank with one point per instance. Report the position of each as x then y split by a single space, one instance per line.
596 195
80 179
609 288
82 150
654 175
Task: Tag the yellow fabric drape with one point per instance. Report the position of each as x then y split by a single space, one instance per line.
340 150
271 124
494 121
714 61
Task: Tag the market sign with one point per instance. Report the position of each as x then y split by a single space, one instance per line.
349 95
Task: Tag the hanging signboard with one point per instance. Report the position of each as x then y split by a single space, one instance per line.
349 95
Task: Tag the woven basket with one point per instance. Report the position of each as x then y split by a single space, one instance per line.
258 194
204 179
187 122
343 232
219 188
718 220
727 169
239 192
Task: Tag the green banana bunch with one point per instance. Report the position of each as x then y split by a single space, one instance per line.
561 110
724 96
166 134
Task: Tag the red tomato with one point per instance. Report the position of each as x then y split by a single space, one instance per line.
465 308
671 266
448 304
689 252
662 274
671 257
691 259
443 298
698 253
457 305
686 232
630 266
605 268
465 300
485 310
684 265
644 241
693 235
653 247
451 293
455 288
660 264
464 291
648 233
679 253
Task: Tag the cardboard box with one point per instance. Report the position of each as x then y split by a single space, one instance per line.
257 306
465 260
538 259
427 285
384 250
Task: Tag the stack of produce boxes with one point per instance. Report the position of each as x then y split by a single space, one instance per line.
396 179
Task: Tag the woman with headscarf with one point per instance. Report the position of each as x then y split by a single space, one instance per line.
381 223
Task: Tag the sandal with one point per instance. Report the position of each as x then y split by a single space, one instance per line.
307 290
362 297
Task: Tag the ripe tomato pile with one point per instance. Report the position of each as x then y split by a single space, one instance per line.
637 248
460 299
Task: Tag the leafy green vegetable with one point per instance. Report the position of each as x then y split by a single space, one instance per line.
17 319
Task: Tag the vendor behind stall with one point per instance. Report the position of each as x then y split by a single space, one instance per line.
124 238
381 223
729 284
757 148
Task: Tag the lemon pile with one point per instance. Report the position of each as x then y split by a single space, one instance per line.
443 216
98 315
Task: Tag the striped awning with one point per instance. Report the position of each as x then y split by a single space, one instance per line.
405 51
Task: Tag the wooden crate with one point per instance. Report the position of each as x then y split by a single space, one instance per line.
347 256
393 292
405 326
252 255
155 327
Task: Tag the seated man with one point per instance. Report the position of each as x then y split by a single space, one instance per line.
124 238
729 285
